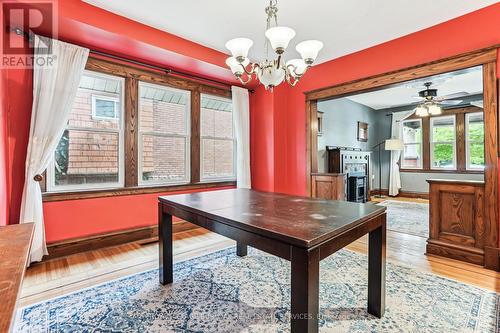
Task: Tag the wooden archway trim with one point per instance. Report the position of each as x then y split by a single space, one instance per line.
487 58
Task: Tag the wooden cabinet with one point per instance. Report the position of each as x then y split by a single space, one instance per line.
456 220
329 186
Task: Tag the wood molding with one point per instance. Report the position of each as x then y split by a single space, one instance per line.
461 61
402 194
195 136
445 250
131 131
492 258
83 244
63 196
149 75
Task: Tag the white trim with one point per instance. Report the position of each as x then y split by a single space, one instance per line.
225 178
467 142
51 187
187 151
420 143
432 143
103 98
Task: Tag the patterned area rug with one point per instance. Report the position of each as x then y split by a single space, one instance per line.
221 292
407 217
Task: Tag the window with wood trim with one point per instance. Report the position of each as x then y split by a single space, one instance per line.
443 153
453 142
135 130
474 137
164 135
218 145
411 156
90 152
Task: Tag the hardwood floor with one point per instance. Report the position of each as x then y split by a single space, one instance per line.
64 275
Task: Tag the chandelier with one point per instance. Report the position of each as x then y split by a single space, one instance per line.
271 73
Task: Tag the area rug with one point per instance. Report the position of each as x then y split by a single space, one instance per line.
221 292
407 217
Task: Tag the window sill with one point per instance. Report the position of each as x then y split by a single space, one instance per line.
114 192
442 171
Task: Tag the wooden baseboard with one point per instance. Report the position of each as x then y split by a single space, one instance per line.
78 245
406 194
492 258
443 249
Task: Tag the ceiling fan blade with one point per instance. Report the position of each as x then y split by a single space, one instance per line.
455 95
451 102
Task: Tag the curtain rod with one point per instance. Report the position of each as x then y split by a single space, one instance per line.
20 32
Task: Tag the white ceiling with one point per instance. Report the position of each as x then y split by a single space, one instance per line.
469 81
345 26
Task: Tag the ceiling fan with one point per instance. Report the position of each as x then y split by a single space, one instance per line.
431 103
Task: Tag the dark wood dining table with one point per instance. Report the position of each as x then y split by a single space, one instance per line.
299 229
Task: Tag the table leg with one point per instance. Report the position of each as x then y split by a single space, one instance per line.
376 270
305 290
165 246
241 249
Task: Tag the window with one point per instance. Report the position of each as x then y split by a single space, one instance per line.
474 128
412 138
442 142
218 149
164 135
90 152
104 107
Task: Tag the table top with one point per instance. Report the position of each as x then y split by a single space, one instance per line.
299 221
15 242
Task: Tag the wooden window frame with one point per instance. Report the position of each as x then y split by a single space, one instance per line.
132 75
460 142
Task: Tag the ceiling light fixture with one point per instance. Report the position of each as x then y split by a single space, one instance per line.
271 73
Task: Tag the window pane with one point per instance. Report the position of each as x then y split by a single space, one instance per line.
163 110
475 130
104 108
217 158
412 131
86 157
476 158
105 90
164 127
217 140
443 155
412 156
443 129
163 159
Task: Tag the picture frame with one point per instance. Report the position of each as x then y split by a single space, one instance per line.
362 131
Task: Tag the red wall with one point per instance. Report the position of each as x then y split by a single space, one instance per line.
470 32
97 29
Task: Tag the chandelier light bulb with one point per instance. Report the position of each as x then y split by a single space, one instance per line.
270 76
309 50
239 48
235 65
435 109
279 38
297 67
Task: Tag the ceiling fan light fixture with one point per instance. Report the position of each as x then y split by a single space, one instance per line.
421 111
434 109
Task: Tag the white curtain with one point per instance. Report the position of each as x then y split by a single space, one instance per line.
54 90
241 121
396 133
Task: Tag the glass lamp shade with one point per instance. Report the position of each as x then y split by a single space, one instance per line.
239 47
280 37
434 109
297 67
394 144
309 50
270 76
421 111
235 65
